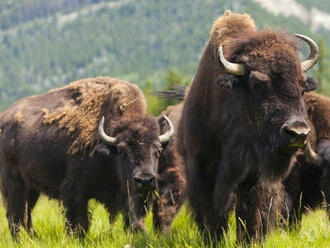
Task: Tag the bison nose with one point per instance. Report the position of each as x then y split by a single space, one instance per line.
295 133
145 181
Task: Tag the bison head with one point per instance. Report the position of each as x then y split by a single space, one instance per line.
267 81
136 145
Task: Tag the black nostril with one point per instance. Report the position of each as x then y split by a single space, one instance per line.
138 180
151 180
291 133
145 180
296 134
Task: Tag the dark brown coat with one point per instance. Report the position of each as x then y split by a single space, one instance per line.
230 138
172 180
50 144
308 185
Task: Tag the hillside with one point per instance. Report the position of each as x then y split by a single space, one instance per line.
45 44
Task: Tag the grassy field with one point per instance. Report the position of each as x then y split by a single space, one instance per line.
50 231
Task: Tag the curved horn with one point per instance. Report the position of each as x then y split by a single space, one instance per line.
166 136
232 68
313 57
311 156
107 139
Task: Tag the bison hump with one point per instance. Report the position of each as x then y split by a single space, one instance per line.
87 100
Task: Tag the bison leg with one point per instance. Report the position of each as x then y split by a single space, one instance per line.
166 206
15 206
135 214
258 208
76 216
163 214
200 196
229 175
248 216
164 211
31 200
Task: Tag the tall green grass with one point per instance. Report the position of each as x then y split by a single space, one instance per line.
50 231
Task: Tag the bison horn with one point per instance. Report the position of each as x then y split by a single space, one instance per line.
107 139
166 136
311 156
313 55
232 68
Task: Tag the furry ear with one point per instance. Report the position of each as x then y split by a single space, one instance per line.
228 81
311 84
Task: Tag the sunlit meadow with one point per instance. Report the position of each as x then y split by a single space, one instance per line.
50 231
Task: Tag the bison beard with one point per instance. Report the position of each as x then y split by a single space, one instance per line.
51 144
242 136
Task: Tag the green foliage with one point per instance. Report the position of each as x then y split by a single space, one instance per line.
17 12
322 5
322 66
172 78
46 44
155 105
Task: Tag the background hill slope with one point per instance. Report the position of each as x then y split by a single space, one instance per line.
46 44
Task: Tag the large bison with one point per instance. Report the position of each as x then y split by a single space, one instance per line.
307 186
243 122
90 139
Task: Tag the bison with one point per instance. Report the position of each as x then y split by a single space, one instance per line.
243 122
89 139
172 180
307 185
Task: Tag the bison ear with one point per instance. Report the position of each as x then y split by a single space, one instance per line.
258 80
228 81
311 84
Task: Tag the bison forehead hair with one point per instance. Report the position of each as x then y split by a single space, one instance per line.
137 134
270 52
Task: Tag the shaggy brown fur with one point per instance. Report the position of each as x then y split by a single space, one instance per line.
172 182
308 186
230 138
318 109
91 98
50 144
231 26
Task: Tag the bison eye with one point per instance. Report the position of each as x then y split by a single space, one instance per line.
228 81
